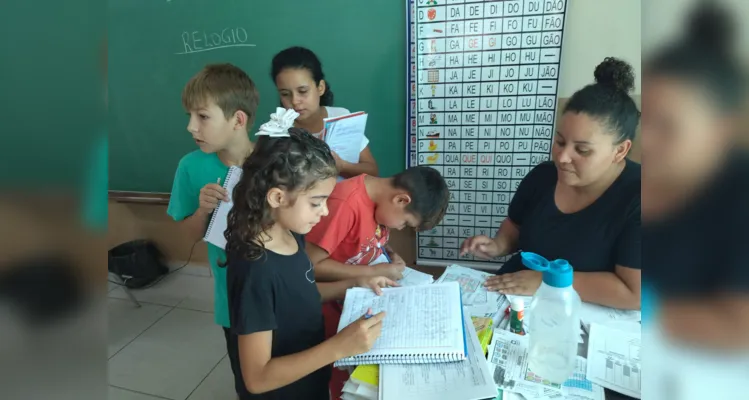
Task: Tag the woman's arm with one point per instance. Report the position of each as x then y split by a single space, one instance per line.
505 242
618 289
366 165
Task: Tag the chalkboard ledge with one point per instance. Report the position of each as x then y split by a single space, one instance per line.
139 197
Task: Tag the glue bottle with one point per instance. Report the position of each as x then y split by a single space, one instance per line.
554 320
517 306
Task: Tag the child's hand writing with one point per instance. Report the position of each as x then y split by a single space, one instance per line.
211 195
393 270
359 337
376 283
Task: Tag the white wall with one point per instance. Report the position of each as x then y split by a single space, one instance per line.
596 29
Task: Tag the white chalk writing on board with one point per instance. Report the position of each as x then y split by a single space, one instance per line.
199 41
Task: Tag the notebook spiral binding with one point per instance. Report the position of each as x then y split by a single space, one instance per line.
400 359
232 170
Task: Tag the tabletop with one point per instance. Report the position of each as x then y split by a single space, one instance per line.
582 349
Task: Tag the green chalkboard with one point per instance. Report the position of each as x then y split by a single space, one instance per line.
155 46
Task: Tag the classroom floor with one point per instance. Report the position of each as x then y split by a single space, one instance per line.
170 347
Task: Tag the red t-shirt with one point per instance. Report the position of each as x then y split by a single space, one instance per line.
349 233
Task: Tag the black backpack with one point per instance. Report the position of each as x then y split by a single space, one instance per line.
137 263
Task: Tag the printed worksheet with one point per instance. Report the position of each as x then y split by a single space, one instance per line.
614 359
477 301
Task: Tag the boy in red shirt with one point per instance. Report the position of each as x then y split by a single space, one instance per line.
362 210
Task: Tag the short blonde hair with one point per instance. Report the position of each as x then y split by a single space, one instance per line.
225 84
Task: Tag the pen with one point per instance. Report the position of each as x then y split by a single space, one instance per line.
385 253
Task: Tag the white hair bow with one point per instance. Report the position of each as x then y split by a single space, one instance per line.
279 123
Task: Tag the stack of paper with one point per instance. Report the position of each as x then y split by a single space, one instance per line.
464 380
412 277
508 359
477 301
363 384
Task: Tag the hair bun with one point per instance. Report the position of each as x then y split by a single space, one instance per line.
615 73
711 28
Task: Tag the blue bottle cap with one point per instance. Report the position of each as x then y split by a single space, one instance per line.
557 273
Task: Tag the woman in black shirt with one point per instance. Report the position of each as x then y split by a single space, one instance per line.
584 206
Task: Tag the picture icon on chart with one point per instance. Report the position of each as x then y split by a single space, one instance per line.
433 119
431 14
432 2
430 105
434 88
433 158
433 135
433 76
432 146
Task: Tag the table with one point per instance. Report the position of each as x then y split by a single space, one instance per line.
582 348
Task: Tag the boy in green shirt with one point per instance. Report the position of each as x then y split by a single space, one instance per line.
221 101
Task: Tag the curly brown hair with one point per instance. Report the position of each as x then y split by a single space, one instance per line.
295 163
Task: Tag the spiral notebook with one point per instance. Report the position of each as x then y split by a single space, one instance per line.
424 324
219 219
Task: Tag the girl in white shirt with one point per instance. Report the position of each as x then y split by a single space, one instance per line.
301 85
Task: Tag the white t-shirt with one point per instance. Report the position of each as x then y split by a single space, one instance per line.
337 112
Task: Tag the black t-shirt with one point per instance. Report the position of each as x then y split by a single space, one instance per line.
702 248
278 293
594 239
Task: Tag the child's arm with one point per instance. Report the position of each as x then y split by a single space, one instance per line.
261 373
328 269
366 165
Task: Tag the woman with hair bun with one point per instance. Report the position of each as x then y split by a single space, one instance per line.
584 205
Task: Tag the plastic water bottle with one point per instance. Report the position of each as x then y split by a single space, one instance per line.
554 320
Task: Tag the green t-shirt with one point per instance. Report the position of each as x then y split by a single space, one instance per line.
196 170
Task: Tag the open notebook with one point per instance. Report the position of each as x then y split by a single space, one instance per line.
217 225
424 324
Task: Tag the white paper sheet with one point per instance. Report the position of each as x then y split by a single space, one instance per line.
477 301
412 277
344 135
465 380
614 359
590 313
